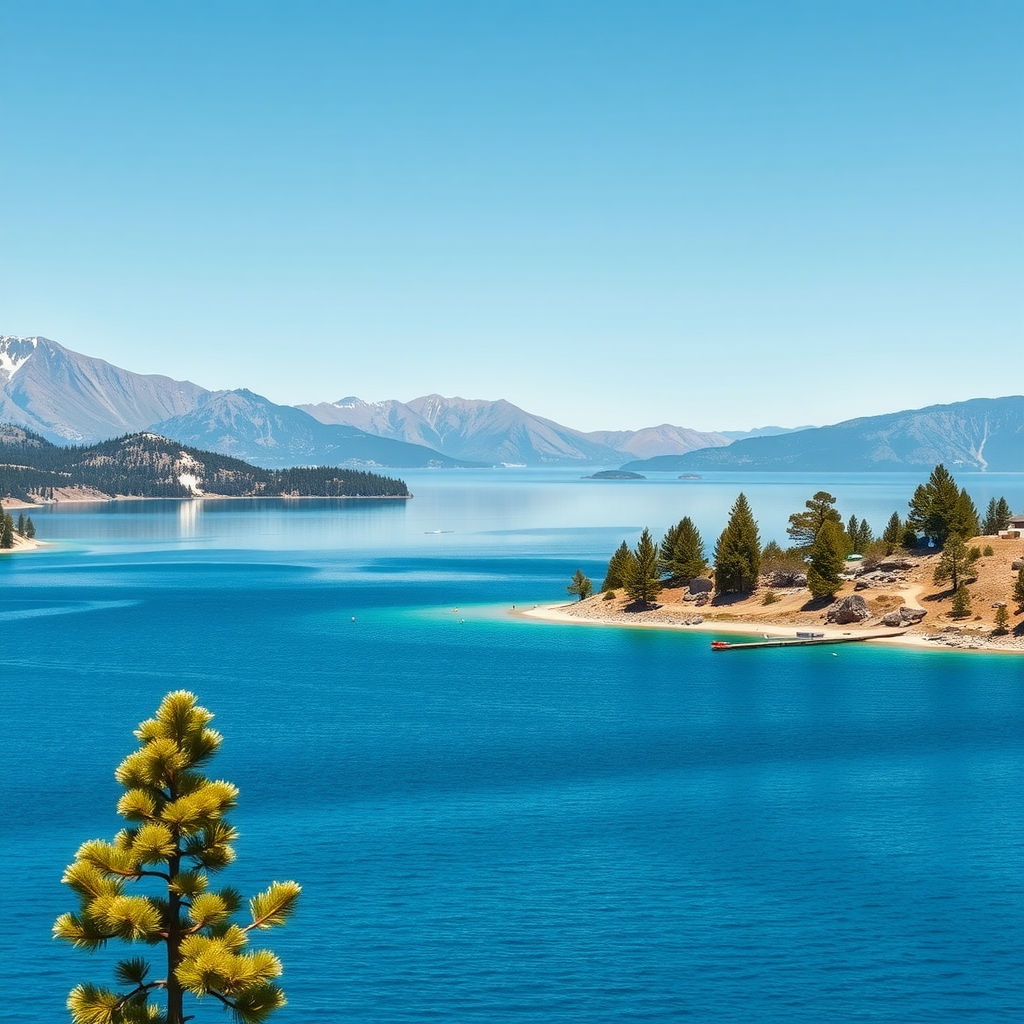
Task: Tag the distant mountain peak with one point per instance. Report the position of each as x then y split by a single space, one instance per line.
14 353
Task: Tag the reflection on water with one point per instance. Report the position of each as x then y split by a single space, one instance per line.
188 517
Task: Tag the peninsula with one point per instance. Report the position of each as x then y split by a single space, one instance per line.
146 465
898 595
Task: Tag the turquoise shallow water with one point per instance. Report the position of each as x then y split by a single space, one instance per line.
501 819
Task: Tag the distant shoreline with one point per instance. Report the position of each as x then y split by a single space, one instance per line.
17 503
561 614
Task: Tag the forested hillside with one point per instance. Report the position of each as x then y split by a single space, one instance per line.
149 466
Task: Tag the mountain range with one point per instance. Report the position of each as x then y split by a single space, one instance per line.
979 434
500 432
66 396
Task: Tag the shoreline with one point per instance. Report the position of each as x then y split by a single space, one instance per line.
18 504
23 545
558 613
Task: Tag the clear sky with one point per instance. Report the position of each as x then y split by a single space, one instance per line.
718 214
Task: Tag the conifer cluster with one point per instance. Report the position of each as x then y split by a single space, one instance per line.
148 466
940 511
177 837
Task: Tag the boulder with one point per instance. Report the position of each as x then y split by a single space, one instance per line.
911 615
903 616
848 609
700 585
895 565
787 578
861 585
1018 563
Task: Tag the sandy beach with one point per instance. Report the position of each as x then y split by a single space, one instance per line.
23 544
968 640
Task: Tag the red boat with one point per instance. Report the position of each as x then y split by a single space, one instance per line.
720 645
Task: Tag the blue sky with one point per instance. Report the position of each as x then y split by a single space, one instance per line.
718 214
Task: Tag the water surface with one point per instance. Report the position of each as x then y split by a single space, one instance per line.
495 818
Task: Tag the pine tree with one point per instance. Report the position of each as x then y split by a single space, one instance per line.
642 582
892 535
618 566
961 602
178 836
738 551
939 508
1003 514
804 526
1002 619
685 558
7 531
965 516
581 585
665 549
30 528
997 516
1018 590
21 524
955 561
827 556
864 537
990 524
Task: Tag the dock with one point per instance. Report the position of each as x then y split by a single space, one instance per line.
724 645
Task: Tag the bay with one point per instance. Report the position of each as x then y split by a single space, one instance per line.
494 818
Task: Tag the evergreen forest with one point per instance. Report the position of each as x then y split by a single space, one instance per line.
150 466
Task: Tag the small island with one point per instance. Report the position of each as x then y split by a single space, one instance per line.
614 474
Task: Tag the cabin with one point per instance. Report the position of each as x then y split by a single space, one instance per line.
1015 529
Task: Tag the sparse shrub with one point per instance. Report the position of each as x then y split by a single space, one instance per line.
609 595
770 597
987 551
875 552
975 553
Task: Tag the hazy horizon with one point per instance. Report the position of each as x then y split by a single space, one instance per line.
614 216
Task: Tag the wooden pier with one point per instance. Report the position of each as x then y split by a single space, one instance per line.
724 645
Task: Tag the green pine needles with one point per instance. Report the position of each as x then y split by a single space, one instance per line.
177 838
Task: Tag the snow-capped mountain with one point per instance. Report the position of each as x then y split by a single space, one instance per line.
66 396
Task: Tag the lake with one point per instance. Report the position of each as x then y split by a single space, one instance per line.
497 818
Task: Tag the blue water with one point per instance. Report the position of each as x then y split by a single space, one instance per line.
494 818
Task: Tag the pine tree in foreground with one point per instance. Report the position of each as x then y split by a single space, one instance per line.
178 836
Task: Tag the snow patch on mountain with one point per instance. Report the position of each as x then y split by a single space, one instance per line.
190 471
14 353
